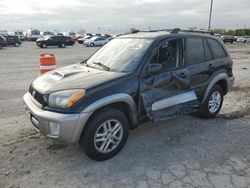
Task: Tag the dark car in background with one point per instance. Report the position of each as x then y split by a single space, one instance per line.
3 42
13 40
228 38
60 41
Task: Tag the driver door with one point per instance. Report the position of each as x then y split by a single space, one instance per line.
166 93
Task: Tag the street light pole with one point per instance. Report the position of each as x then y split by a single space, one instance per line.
210 15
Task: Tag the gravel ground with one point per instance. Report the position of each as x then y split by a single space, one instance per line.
184 152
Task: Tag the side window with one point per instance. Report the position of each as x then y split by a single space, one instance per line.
217 49
208 53
168 54
194 51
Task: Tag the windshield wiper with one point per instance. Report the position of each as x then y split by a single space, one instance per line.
102 65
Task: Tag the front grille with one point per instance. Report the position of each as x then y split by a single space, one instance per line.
37 96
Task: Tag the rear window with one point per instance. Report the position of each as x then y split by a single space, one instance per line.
194 51
217 49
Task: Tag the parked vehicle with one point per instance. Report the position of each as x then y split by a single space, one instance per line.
20 35
244 39
95 41
13 40
69 40
45 33
33 34
81 40
60 41
71 34
228 38
133 78
3 42
4 33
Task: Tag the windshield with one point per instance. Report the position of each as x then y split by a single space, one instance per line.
121 55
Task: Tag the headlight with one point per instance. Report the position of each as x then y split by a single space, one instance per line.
65 99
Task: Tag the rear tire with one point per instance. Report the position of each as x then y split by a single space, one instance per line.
1 46
16 44
105 134
213 103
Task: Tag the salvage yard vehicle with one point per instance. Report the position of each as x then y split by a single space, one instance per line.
143 76
228 38
60 41
244 39
3 42
33 34
95 41
13 40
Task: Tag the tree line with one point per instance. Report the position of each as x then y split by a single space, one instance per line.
236 32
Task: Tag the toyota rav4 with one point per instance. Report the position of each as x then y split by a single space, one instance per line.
136 77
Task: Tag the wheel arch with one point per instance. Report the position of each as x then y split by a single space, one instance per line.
221 80
121 101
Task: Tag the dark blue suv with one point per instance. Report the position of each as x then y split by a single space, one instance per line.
136 77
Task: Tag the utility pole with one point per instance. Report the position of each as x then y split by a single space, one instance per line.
99 29
210 15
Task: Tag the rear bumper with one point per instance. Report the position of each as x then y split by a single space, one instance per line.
63 127
231 82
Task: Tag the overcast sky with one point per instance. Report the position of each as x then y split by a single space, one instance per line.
120 15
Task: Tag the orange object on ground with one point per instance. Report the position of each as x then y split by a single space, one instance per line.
47 62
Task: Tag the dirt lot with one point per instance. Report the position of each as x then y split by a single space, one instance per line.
184 152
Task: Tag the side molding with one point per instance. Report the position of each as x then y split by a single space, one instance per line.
174 100
221 76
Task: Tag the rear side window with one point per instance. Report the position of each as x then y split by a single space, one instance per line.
194 51
208 53
217 49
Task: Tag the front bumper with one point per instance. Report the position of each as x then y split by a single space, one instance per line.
69 126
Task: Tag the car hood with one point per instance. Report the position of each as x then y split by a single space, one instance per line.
75 76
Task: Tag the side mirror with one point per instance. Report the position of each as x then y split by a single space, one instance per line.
154 68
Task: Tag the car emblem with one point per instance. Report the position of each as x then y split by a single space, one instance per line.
33 93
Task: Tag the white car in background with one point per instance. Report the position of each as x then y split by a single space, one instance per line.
95 41
243 39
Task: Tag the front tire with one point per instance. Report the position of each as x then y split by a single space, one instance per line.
44 45
63 45
105 135
92 44
213 103
1 46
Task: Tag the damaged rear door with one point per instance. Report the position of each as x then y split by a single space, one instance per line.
165 86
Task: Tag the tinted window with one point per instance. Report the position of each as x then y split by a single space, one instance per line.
168 55
216 48
208 53
194 51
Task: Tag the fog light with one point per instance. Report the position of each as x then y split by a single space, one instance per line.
54 128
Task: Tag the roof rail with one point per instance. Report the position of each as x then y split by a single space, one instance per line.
178 30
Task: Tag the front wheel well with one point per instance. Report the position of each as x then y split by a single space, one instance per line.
122 106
